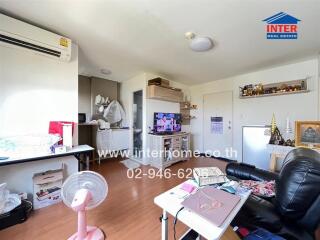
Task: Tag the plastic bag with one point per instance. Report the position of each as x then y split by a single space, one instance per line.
8 201
114 113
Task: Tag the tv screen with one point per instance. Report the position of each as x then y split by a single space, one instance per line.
167 122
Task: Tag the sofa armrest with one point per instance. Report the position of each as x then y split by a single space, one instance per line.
248 172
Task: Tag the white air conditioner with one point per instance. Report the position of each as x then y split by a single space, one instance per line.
18 34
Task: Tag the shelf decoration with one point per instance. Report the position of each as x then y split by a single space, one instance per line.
276 137
185 108
274 89
288 135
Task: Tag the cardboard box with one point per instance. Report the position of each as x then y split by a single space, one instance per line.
159 82
47 188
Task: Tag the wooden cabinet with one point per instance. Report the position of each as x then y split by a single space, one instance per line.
169 148
164 93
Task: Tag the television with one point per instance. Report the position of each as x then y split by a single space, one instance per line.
167 122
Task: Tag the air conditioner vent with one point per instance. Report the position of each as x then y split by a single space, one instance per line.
24 44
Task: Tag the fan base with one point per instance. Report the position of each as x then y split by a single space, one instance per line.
93 233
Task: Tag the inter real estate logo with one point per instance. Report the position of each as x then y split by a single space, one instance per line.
282 26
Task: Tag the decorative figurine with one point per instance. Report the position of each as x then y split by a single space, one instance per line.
276 137
259 89
289 143
249 90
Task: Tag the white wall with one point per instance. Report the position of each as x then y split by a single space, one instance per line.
150 106
36 89
126 98
154 105
255 111
258 111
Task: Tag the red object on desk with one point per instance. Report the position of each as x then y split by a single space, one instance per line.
56 127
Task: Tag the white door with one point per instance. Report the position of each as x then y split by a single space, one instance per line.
217 123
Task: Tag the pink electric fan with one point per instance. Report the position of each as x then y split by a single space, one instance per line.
83 191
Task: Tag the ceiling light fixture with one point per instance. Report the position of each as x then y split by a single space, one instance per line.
105 71
199 44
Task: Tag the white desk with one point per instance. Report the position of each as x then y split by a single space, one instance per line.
18 170
170 202
75 151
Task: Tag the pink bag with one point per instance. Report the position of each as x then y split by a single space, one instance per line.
56 127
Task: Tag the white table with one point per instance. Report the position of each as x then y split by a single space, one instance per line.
18 170
170 202
76 151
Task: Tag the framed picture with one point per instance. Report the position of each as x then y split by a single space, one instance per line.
307 134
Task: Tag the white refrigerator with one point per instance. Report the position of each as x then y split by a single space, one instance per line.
254 145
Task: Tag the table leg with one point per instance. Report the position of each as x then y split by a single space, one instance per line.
77 156
229 234
87 161
164 224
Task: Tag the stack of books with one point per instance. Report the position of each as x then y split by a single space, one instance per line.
209 175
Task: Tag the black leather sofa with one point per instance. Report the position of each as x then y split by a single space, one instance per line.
294 212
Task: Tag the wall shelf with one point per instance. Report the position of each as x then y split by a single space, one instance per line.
185 108
274 89
274 94
190 108
164 93
187 118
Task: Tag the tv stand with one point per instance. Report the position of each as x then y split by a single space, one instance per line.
169 149
166 133
161 133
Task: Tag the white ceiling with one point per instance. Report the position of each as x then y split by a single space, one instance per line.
132 36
